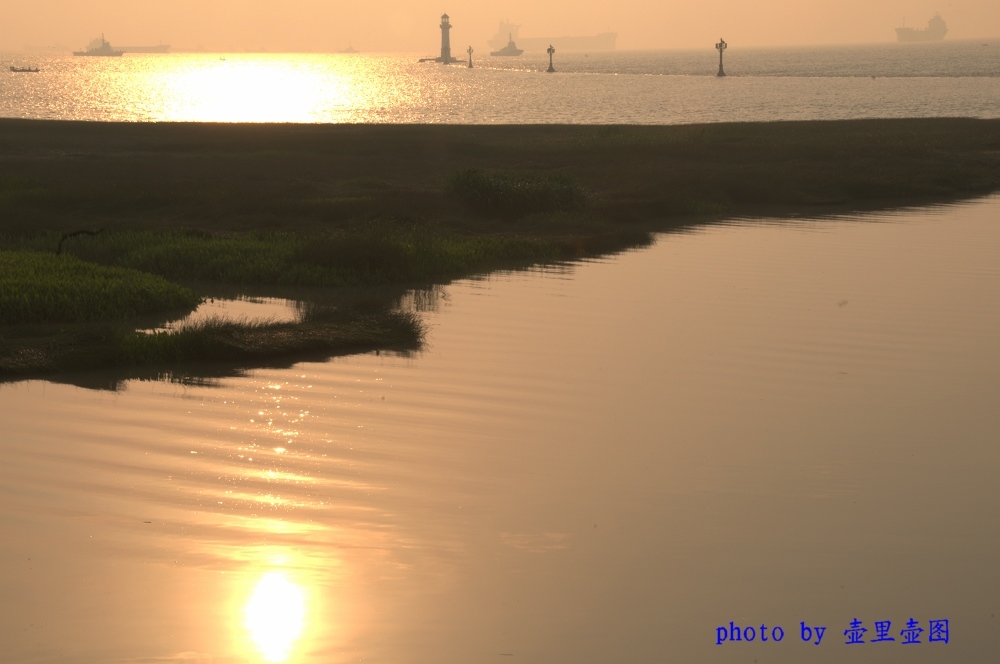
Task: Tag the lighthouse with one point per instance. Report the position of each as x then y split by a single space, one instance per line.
445 57
445 39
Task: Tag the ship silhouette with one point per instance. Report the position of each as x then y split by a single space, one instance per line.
935 31
100 47
509 49
604 41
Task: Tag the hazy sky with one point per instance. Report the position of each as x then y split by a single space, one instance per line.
411 25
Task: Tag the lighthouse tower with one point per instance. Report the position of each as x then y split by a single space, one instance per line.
445 39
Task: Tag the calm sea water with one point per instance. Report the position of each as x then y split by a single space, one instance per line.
768 423
888 80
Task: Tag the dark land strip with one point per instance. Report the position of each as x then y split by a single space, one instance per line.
349 207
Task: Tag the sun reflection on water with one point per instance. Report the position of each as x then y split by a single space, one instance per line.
258 89
275 616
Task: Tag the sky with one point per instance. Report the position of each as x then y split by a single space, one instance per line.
411 26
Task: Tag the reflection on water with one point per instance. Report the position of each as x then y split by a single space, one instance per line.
256 90
758 423
275 615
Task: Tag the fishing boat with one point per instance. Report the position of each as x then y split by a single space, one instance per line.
100 47
509 49
25 70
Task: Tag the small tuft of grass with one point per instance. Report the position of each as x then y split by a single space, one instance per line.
516 193
44 288
218 339
107 345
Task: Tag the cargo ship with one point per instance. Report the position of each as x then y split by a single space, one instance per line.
935 31
100 47
604 41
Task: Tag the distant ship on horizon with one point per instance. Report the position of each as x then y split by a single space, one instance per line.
510 49
604 41
935 31
100 47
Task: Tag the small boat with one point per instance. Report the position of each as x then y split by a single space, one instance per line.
509 49
25 70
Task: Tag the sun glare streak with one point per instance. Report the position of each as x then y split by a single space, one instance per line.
275 616
257 90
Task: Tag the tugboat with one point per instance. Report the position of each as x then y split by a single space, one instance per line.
935 31
509 49
100 47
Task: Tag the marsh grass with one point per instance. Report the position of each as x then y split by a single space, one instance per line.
317 178
366 254
44 288
516 193
38 350
17 189
221 339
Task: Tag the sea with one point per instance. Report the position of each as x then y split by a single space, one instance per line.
638 87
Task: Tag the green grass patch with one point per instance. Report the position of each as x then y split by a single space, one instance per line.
516 193
366 254
45 288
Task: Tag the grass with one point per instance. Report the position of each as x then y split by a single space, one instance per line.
368 254
515 194
62 176
33 351
45 288
224 340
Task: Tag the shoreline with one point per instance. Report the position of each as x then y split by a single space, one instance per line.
336 207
